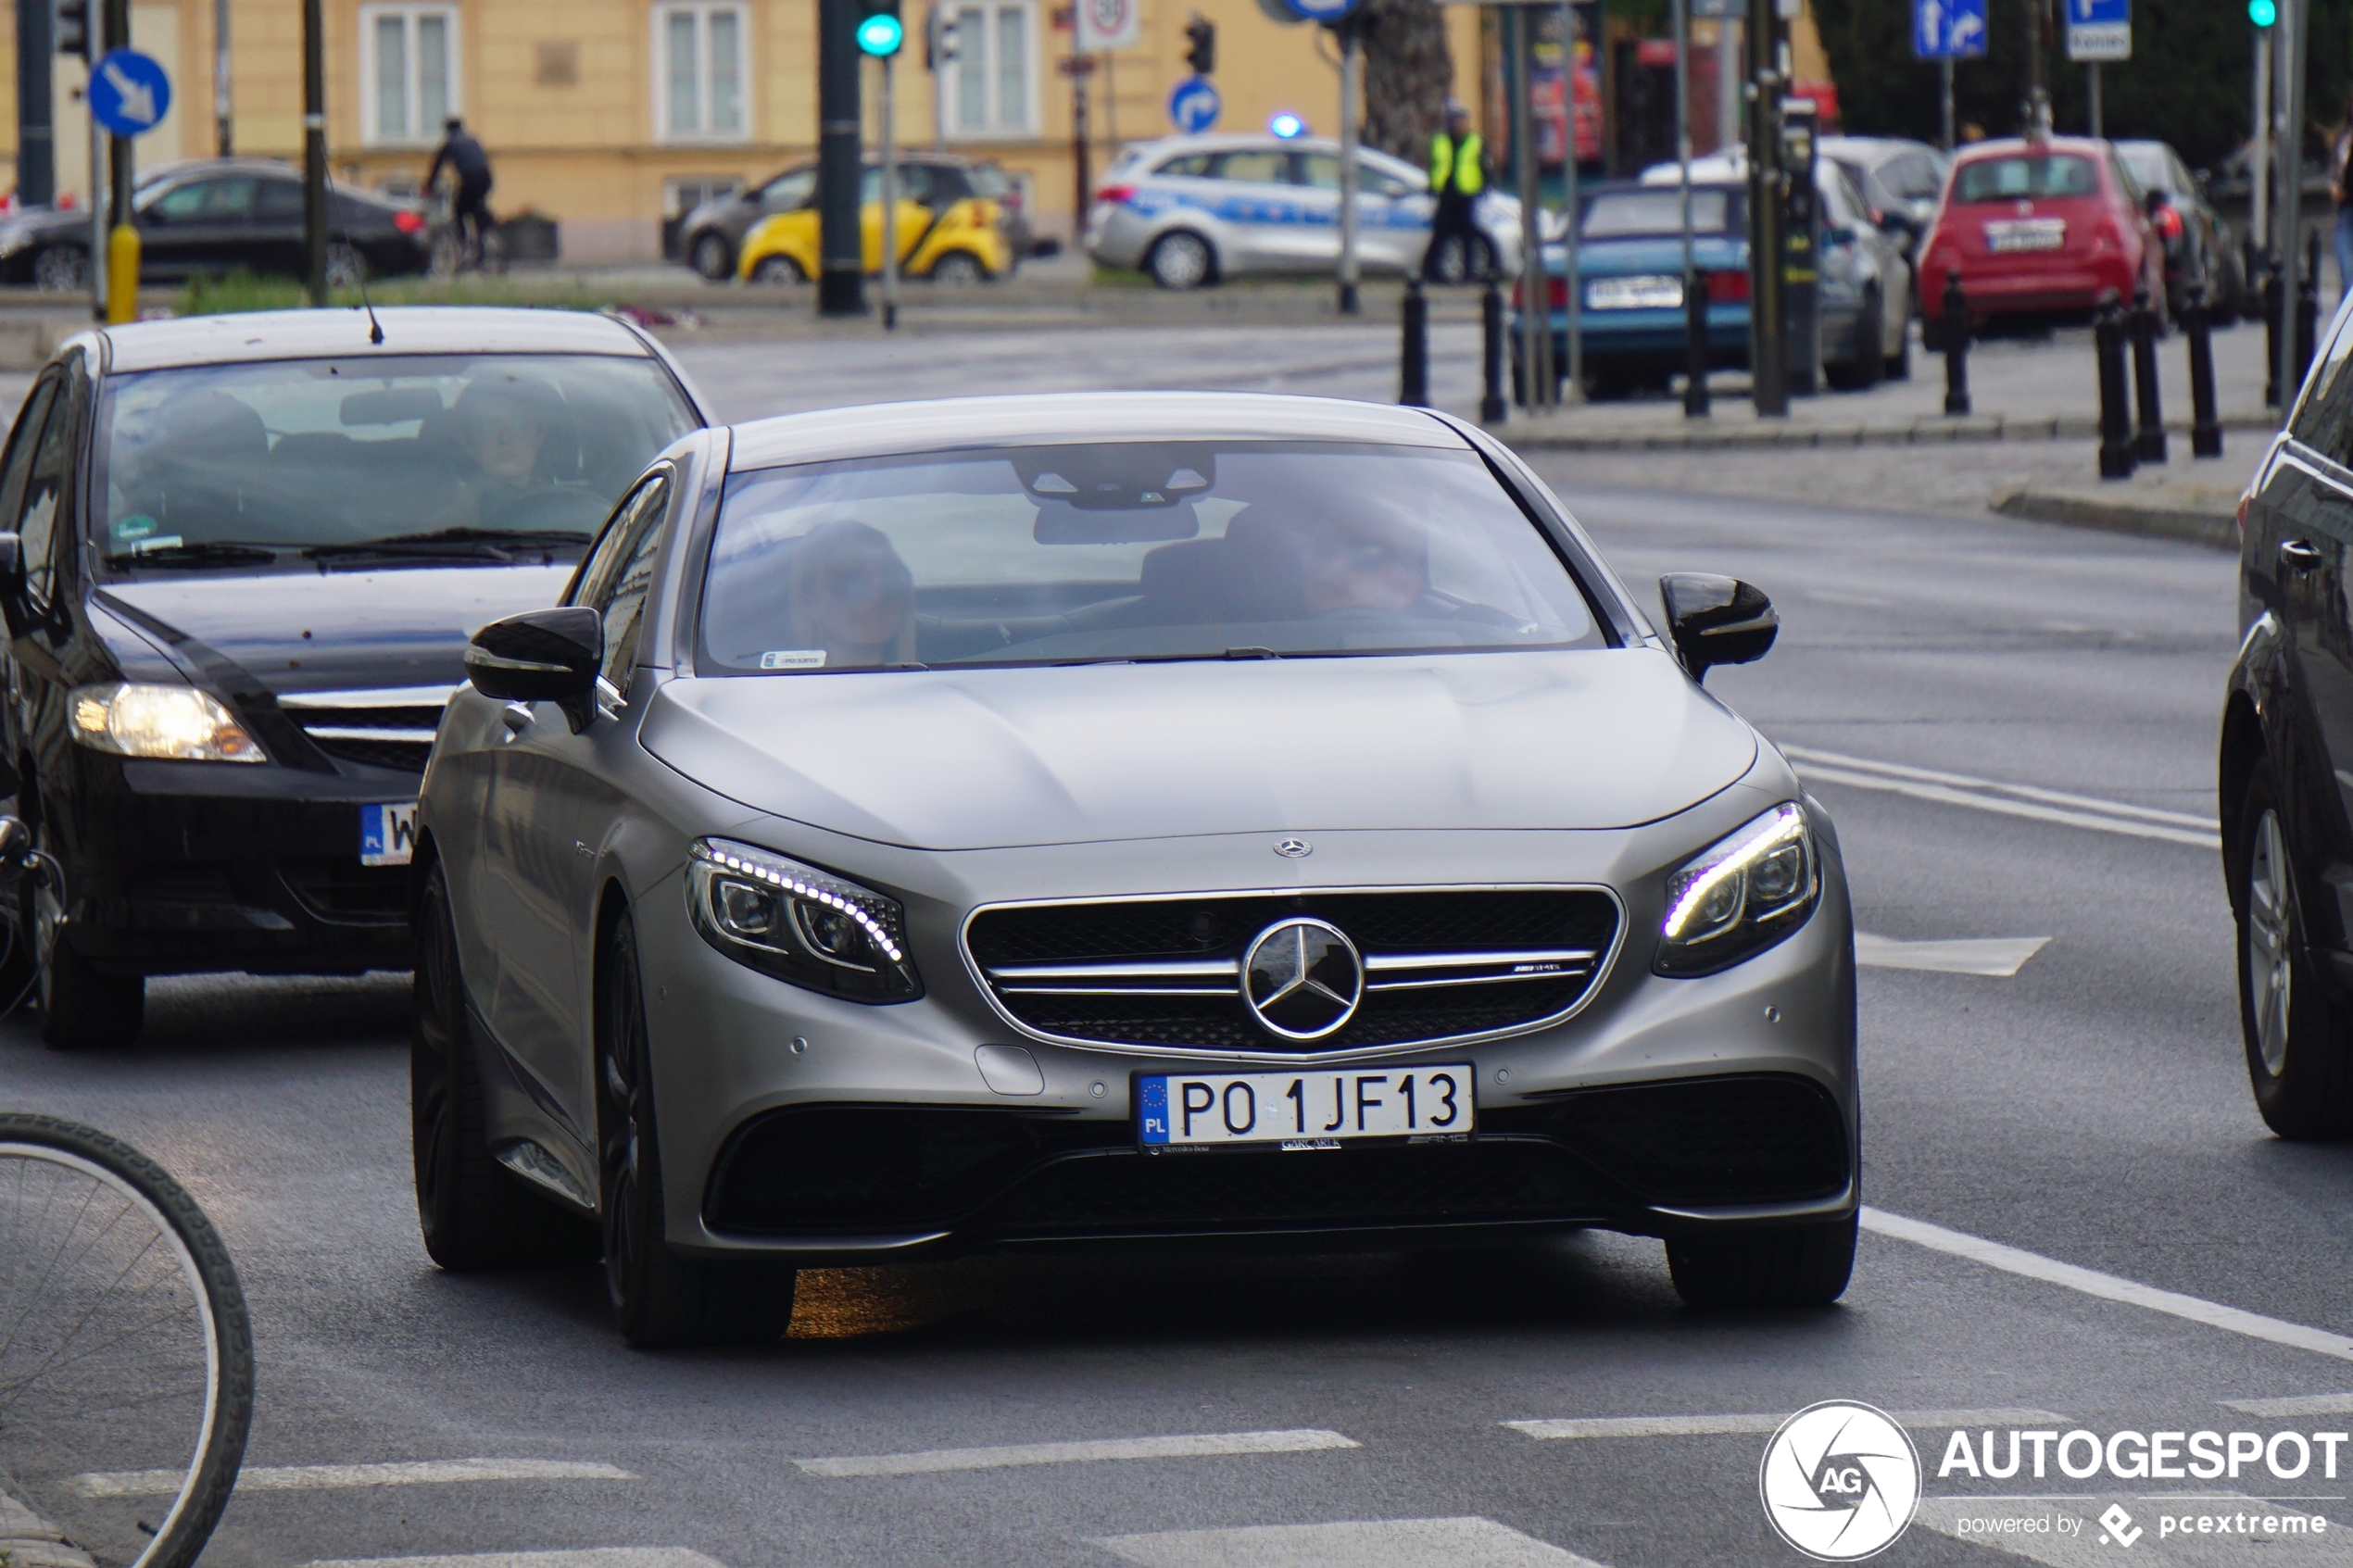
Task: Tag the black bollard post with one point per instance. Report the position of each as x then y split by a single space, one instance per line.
2205 429
1695 346
1956 335
1413 355
2271 318
1491 407
2149 441
2307 305
2116 413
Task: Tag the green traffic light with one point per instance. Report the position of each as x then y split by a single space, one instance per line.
2262 13
883 34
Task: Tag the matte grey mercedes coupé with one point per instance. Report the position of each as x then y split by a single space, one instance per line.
1159 818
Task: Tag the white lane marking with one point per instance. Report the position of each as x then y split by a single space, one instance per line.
2025 792
2297 1404
584 1556
321 1477
2091 1282
2085 1548
1711 1425
1470 1542
1999 957
1190 1446
1944 795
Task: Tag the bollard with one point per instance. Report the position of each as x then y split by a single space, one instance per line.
2308 307
2271 289
2205 429
1413 357
2116 415
1695 348
2149 441
1491 407
1956 333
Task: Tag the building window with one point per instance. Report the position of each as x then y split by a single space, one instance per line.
702 71
994 79
408 72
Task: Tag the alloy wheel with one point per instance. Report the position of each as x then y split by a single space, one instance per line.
2269 942
1180 261
434 1107
619 1086
712 258
956 269
62 269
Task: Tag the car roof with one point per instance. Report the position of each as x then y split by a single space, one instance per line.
2011 147
1055 419
310 334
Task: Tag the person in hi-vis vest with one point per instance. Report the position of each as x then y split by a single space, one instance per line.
1457 171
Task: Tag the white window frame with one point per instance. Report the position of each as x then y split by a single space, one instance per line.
702 11
370 122
996 129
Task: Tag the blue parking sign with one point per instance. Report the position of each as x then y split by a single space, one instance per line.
1953 29
1193 105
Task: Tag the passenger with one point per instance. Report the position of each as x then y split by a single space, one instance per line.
1365 561
850 595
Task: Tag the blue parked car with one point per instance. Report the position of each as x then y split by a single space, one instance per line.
1630 265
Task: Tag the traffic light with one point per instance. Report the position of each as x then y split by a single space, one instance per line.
73 28
1202 55
939 39
879 31
2262 13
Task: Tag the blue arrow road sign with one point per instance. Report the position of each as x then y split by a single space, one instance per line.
129 92
1326 11
1194 105
2098 13
1955 30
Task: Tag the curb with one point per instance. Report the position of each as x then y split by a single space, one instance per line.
2151 519
1927 431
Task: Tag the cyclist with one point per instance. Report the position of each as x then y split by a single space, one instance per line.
463 156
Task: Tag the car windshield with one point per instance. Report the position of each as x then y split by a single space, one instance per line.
1657 210
2039 174
1122 551
214 464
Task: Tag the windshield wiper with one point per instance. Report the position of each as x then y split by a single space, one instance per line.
495 542
199 552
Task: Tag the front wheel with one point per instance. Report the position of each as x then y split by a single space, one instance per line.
2296 1055
1181 260
345 267
81 1009
660 1297
712 256
62 269
777 270
959 269
1804 1265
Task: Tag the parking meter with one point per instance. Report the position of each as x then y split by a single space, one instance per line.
1802 245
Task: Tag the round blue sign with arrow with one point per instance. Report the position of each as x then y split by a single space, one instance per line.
1194 104
1324 11
128 93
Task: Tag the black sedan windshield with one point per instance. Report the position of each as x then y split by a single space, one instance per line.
239 465
1129 551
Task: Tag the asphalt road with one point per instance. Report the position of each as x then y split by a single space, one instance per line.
2089 1109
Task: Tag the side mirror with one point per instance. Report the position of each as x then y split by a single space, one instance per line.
2155 202
541 655
1715 620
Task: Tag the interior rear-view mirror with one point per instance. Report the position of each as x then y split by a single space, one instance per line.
1716 620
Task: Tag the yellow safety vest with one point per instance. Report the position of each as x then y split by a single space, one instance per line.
1461 166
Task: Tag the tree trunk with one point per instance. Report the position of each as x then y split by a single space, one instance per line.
1407 73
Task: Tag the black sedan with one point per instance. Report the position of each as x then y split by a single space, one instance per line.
217 216
239 562
2197 242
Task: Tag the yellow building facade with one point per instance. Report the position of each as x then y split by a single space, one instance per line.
610 116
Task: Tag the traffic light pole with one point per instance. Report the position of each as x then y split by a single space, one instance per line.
1768 270
314 151
1350 58
889 198
842 262
122 240
2288 51
36 154
2258 165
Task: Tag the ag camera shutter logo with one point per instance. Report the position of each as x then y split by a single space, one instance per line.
1841 1480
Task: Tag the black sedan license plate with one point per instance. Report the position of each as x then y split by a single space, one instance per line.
1320 1110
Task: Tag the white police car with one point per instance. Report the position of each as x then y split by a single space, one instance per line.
1192 210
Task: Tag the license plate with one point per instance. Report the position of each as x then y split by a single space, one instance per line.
387 834
2032 233
1321 1109
1634 294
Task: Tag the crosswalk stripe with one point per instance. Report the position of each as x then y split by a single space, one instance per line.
2298 1404
1947 796
1714 1425
1190 1446
321 1477
1999 957
587 1557
1471 1542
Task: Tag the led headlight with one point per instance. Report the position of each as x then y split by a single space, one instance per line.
177 723
1741 895
799 924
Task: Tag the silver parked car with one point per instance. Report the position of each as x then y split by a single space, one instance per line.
1192 210
1146 816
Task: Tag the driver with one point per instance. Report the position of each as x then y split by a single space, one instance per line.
1369 560
507 425
852 596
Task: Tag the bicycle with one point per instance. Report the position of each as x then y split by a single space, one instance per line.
451 254
126 1355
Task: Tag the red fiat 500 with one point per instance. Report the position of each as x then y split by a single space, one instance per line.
2040 228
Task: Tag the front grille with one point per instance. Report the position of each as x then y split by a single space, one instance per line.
389 729
340 888
1438 965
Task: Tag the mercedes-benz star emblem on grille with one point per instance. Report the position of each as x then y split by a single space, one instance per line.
1303 979
1294 848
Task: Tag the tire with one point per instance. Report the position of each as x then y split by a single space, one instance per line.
197 1508
1861 372
345 267
777 270
1181 259
1806 1265
474 1213
62 269
660 1298
959 269
711 256
2293 1025
1898 365
81 1009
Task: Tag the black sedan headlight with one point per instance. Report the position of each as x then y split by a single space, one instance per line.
1740 894
798 923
